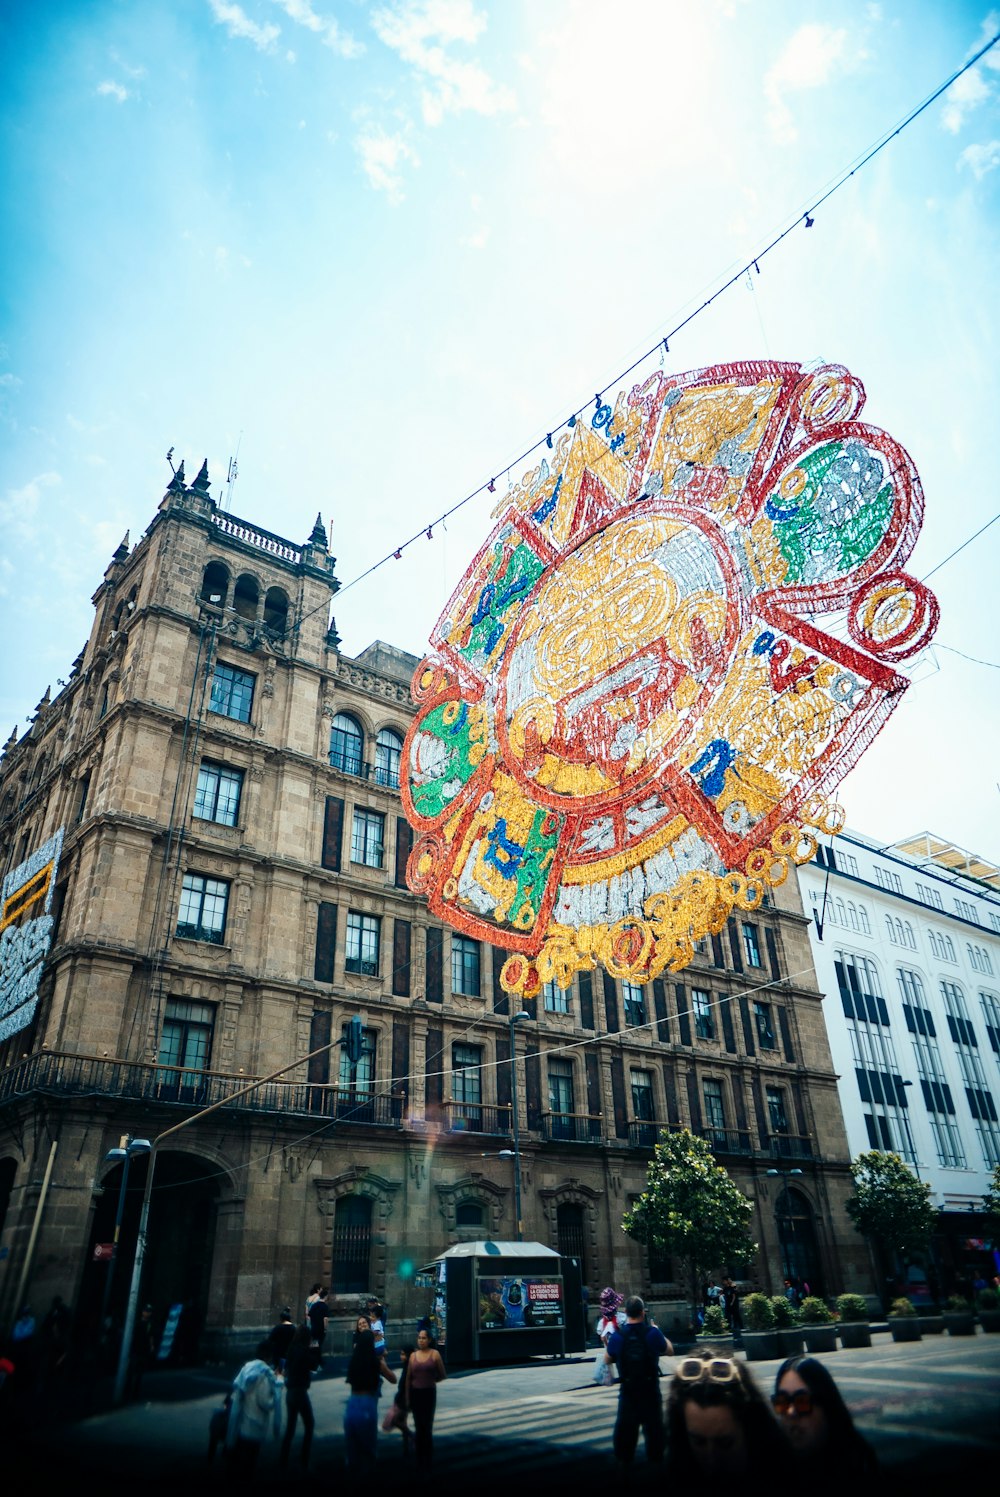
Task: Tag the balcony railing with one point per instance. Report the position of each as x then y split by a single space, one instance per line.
379 774
788 1145
92 1076
571 1127
476 1117
644 1135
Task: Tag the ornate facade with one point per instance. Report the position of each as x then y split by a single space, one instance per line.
231 891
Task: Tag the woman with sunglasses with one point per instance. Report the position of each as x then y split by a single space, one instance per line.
718 1422
818 1423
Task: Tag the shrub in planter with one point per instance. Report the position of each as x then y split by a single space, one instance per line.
903 1321
760 1339
988 1305
959 1319
855 1329
715 1323
819 1327
786 1319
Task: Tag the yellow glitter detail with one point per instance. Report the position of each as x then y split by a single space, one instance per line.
620 862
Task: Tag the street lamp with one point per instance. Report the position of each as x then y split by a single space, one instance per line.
515 1153
126 1151
789 1272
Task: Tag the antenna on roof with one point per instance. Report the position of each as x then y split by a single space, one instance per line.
231 476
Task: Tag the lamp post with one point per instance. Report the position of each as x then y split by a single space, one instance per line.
515 1153
126 1151
789 1272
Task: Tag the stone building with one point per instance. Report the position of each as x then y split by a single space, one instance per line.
230 891
906 941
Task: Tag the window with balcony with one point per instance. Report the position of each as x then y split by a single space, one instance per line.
704 1020
346 745
751 944
203 907
715 1112
388 752
363 943
765 1026
561 1098
777 1114
555 999
643 1107
358 1080
465 966
217 794
232 692
367 837
186 1048
467 1087
634 1000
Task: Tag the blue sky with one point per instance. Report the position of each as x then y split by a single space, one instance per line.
386 246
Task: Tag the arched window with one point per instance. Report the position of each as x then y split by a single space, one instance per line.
863 917
852 914
275 611
797 1241
245 596
911 939
352 1241
215 585
388 749
841 913
346 744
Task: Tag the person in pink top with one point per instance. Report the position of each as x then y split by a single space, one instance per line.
424 1371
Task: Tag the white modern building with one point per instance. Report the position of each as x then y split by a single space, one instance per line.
906 942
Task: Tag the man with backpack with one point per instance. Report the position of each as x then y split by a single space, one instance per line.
636 1349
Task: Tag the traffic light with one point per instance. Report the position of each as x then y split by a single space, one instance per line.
354 1038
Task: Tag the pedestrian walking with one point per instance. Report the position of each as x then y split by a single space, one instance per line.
364 1373
255 1412
298 1376
636 1350
611 1302
424 1370
731 1306
319 1314
279 1338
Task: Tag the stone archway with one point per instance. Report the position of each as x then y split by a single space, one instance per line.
571 1193
795 1222
378 1193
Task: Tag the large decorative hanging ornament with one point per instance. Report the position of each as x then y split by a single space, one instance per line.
631 715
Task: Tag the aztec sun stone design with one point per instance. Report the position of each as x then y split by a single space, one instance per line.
632 713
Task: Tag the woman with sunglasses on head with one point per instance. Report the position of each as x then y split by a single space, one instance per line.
818 1423
718 1422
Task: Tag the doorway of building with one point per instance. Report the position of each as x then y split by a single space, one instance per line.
800 1259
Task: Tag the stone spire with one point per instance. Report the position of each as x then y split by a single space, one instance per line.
176 484
122 553
318 537
201 483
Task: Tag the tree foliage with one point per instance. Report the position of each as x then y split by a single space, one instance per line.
691 1209
991 1200
890 1205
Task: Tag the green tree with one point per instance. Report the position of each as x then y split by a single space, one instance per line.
890 1206
691 1210
991 1200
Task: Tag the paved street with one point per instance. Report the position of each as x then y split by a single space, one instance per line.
932 1410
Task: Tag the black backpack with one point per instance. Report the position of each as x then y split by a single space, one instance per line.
636 1362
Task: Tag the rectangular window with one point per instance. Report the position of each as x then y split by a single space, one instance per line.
465 966
202 913
555 998
367 837
467 1086
360 1079
848 863
933 1081
715 1113
765 1028
635 1005
777 1116
930 896
995 920
185 1043
751 944
232 692
704 1021
886 879
642 1096
217 796
561 1098
363 942
966 910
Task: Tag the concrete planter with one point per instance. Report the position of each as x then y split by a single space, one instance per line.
790 1340
855 1333
931 1325
990 1320
905 1327
761 1346
820 1337
722 1344
960 1322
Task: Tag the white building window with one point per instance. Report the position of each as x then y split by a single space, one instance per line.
979 959
555 998
886 879
368 837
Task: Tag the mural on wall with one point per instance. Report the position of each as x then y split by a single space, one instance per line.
677 640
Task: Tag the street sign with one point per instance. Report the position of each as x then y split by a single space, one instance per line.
103 1251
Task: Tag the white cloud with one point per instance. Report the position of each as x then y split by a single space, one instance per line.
965 94
477 240
239 25
9 382
132 72
382 157
421 31
19 507
302 13
988 30
114 90
981 159
809 59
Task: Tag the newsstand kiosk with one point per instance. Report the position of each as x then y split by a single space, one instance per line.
505 1302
